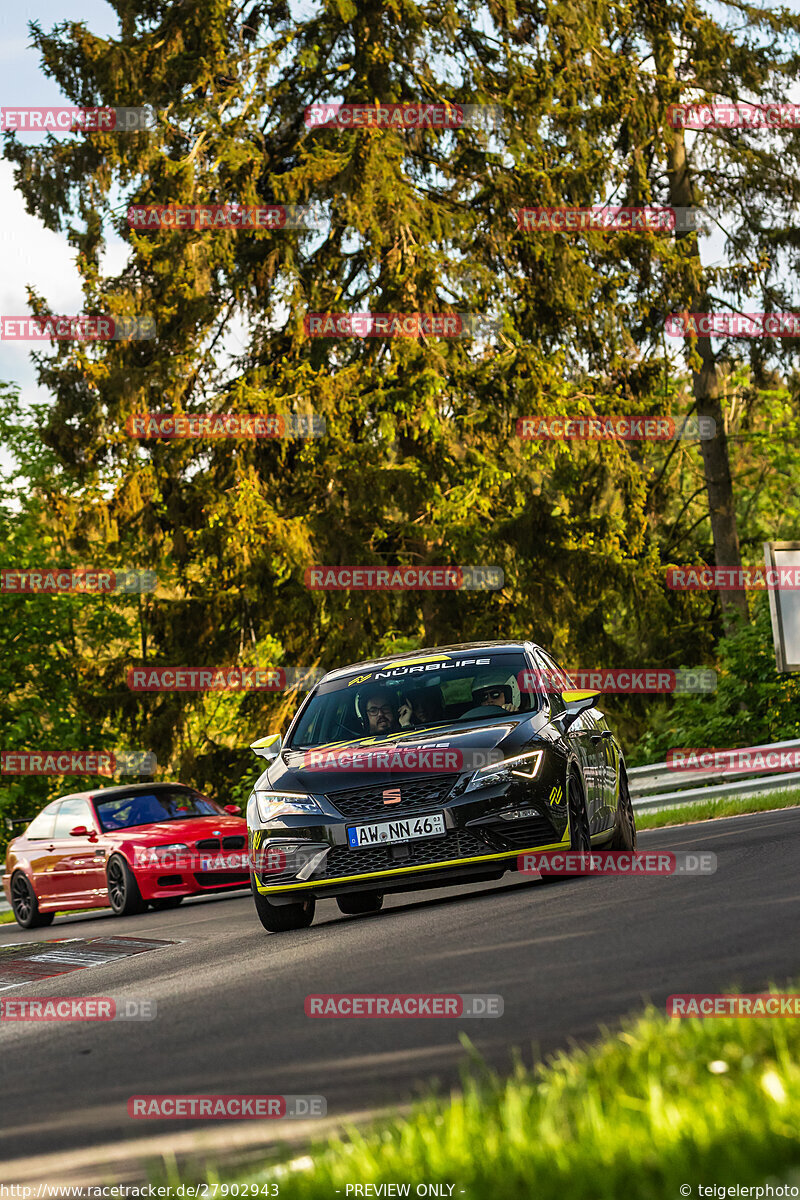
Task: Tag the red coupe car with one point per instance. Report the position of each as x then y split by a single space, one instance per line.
127 847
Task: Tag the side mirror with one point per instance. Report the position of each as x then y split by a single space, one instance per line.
268 747
576 702
233 808
80 831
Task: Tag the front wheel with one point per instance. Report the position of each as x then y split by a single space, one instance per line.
624 836
580 841
123 890
357 903
281 918
26 906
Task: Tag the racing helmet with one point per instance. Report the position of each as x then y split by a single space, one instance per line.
497 678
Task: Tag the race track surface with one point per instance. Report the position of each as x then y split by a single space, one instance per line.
566 957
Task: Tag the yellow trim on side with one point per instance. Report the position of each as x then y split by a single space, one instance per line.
452 862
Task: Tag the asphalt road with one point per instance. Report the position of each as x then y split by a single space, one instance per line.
567 957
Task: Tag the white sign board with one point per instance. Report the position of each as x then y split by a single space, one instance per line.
784 606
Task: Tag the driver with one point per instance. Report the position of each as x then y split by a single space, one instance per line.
496 689
380 708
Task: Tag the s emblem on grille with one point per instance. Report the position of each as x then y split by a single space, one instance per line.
392 796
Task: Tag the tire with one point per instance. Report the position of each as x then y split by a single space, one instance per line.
167 902
26 905
580 841
123 890
357 903
624 836
281 918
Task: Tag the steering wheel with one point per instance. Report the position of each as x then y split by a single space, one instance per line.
485 710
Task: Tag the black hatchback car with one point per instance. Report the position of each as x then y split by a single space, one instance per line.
426 770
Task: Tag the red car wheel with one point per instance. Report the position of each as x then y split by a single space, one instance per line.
25 904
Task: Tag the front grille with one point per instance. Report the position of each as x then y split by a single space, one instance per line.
228 843
417 793
218 878
458 843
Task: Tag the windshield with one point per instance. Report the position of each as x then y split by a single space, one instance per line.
416 694
145 808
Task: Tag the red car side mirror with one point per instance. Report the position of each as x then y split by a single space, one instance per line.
233 808
83 831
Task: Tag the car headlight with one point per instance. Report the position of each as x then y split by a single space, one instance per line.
173 850
284 804
523 766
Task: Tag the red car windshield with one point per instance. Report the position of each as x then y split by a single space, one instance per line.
146 808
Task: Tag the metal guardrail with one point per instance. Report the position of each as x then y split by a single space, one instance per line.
646 783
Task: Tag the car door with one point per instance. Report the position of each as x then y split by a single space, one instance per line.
609 769
582 737
38 847
78 871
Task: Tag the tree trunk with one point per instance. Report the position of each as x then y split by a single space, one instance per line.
705 384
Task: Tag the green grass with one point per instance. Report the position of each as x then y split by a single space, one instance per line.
658 1104
704 810
7 918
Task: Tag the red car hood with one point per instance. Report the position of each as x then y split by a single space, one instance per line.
187 830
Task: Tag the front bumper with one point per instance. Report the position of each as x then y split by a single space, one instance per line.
210 865
484 833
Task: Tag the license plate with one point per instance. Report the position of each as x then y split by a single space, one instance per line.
396 831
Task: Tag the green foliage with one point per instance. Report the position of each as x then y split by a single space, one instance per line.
419 463
753 703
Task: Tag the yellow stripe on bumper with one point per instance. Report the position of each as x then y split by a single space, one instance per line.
453 862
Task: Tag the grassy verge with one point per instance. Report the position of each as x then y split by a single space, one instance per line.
704 810
660 1104
7 918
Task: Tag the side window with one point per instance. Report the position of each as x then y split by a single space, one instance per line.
41 827
72 813
556 681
